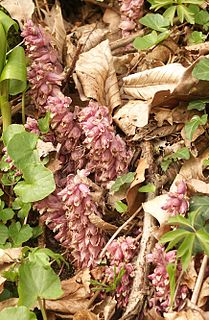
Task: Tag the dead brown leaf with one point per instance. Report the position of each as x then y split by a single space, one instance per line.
204 293
106 308
143 85
20 10
84 315
185 315
9 255
154 207
190 276
101 224
133 197
55 24
12 302
198 186
95 76
70 51
91 38
111 18
134 114
76 294
152 314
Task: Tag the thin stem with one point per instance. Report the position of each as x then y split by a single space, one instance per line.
23 107
5 105
199 281
43 311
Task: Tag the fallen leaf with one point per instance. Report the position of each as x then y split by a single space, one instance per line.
84 315
12 302
198 186
154 207
70 51
9 255
105 309
55 24
133 197
134 114
44 148
91 38
111 18
204 293
124 63
190 276
143 85
185 315
101 224
20 10
152 314
76 294
95 76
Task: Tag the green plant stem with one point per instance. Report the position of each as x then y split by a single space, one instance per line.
43 311
5 105
23 107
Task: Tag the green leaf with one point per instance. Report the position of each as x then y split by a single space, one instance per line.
12 130
38 183
15 72
198 104
3 47
36 281
37 231
17 313
171 269
121 207
197 37
179 221
122 180
19 234
42 255
43 123
174 235
203 238
150 40
4 233
185 14
157 4
170 13
202 17
24 211
201 70
186 257
165 164
155 21
6 214
182 153
150 187
7 22
193 124
200 203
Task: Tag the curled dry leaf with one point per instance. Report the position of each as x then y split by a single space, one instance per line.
105 309
84 315
190 276
55 24
101 224
204 293
133 197
20 10
198 186
143 85
126 62
91 38
111 18
76 294
70 51
95 76
152 314
185 315
12 302
154 207
134 114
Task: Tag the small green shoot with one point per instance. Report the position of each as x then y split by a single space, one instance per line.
150 187
125 179
197 37
121 207
201 70
192 125
198 104
181 154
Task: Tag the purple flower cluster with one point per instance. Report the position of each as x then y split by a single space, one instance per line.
87 240
160 279
131 11
178 201
107 155
120 253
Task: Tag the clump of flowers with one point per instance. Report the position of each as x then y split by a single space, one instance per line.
160 279
177 202
87 240
107 155
131 11
120 254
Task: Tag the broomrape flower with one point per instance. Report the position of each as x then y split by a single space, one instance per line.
87 240
120 253
131 11
160 279
107 155
177 202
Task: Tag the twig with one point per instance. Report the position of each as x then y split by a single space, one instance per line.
38 9
119 230
125 41
199 281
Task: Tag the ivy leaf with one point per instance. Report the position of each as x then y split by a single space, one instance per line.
155 21
150 40
37 281
193 124
197 37
201 70
121 207
17 313
19 234
4 233
38 183
197 104
6 214
150 187
171 269
43 123
124 179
